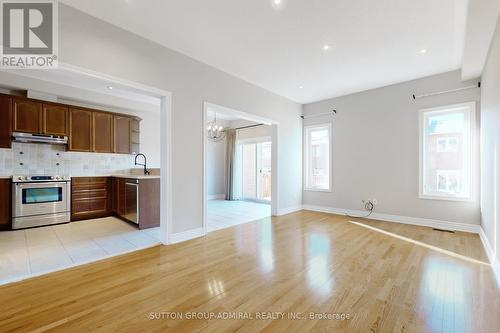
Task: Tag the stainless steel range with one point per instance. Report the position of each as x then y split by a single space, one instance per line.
40 200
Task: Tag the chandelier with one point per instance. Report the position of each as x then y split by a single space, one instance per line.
215 132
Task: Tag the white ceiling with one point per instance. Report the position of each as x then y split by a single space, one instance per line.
78 88
372 43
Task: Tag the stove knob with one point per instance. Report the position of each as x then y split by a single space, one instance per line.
19 178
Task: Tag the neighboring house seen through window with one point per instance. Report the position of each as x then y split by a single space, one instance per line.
317 152
446 152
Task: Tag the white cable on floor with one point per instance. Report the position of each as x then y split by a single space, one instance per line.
368 206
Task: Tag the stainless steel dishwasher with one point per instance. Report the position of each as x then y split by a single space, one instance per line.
132 200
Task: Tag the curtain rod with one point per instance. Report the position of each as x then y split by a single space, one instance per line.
320 114
238 128
446 91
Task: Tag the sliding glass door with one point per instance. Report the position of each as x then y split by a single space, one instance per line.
249 171
256 171
264 175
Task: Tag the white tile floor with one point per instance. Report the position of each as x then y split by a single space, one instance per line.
31 252
223 213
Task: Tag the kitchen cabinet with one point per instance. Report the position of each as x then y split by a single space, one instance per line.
149 203
119 203
122 133
5 204
137 201
133 200
27 116
80 130
90 197
55 119
135 136
88 130
102 127
5 121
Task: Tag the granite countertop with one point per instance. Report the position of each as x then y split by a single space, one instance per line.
5 177
137 176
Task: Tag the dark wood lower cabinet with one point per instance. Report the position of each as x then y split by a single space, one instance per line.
5 204
149 203
90 197
134 200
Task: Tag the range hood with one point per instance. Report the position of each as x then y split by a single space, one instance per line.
40 138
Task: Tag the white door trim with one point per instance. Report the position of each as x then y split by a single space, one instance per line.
274 164
165 139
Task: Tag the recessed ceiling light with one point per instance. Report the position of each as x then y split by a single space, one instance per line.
326 47
278 4
110 87
301 87
423 51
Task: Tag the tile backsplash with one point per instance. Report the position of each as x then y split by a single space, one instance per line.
39 159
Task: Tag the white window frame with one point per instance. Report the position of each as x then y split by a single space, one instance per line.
307 129
473 152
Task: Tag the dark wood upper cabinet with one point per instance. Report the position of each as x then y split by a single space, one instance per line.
88 130
102 127
27 116
55 119
5 121
135 134
80 130
122 135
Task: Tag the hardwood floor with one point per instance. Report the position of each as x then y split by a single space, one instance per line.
420 281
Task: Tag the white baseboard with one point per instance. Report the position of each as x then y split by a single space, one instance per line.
439 224
495 264
219 196
186 235
487 246
288 210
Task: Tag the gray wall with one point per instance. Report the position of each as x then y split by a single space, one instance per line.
376 149
90 43
490 143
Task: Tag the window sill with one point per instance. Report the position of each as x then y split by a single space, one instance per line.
444 198
317 190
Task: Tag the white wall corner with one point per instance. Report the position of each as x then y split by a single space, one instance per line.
220 196
186 235
288 210
446 225
495 264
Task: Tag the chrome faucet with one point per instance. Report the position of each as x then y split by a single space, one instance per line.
146 171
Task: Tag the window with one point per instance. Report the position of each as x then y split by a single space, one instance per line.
317 152
447 145
448 181
447 137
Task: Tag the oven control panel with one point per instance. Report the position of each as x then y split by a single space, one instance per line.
25 179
